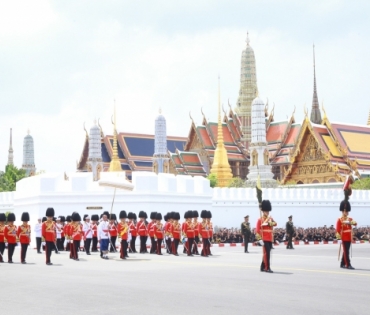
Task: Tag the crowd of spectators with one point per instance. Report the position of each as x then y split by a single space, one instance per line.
325 233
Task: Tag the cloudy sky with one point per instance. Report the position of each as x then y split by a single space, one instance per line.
62 63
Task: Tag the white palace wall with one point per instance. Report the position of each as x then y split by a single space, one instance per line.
166 192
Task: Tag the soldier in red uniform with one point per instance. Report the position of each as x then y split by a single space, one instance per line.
123 230
196 232
131 217
94 228
210 231
49 234
203 230
344 233
153 247
167 231
2 237
265 234
76 232
158 232
113 232
189 232
142 232
66 232
24 235
175 232
10 235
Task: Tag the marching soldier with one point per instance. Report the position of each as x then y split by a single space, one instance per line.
2 236
94 228
176 233
158 232
10 235
142 231
344 233
38 232
210 231
264 234
48 233
76 234
123 230
66 232
246 232
87 233
131 217
189 232
153 247
289 230
24 235
204 233
196 232
167 229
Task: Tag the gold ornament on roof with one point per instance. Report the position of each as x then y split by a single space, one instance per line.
115 164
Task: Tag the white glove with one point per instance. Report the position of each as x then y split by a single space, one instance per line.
261 242
186 239
347 222
264 224
171 239
71 241
166 237
339 241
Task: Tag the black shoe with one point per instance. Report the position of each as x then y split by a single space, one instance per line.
49 263
190 255
39 252
350 267
262 270
269 271
246 252
10 261
343 266
23 262
88 254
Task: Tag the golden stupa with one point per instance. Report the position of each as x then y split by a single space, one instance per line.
221 167
115 164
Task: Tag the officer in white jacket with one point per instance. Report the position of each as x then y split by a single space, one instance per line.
38 233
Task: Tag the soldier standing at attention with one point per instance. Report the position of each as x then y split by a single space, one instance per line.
10 235
48 233
2 237
24 235
289 230
246 232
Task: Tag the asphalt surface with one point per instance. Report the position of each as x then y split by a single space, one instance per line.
306 280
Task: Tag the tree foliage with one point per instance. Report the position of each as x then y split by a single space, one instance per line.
237 182
212 180
9 178
362 184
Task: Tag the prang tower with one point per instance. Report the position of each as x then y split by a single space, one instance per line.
95 160
247 93
28 155
161 157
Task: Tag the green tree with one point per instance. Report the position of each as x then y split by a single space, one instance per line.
362 184
212 180
9 178
237 182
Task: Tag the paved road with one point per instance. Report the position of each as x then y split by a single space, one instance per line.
306 280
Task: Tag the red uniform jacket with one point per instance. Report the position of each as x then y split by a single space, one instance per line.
24 234
344 230
141 228
168 229
133 230
76 231
2 227
112 230
176 230
151 228
189 229
48 231
210 226
123 229
203 229
65 230
158 230
196 228
94 228
265 232
10 234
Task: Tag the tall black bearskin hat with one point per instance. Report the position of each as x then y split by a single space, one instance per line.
50 212
153 215
176 216
173 213
123 214
209 214
145 215
2 217
11 217
54 219
130 215
25 217
85 216
76 217
68 218
345 205
168 216
106 213
203 214
158 216
165 217
44 219
195 214
113 216
134 216
141 214
185 215
95 217
266 205
62 219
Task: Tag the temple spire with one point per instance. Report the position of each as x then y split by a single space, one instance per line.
315 111
10 152
115 164
221 167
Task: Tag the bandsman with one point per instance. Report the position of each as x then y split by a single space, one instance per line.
66 228
113 232
210 227
204 233
189 232
167 231
10 235
76 234
48 233
123 231
158 232
94 228
142 231
196 232
246 232
176 233
153 247
131 223
264 234
24 235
